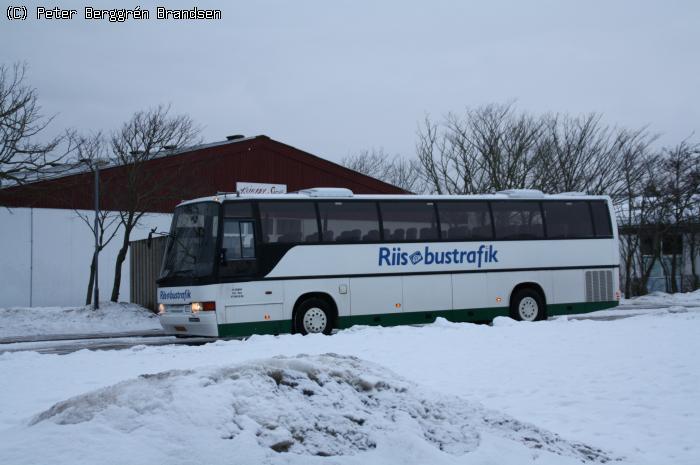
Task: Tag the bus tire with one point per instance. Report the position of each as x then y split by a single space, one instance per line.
313 316
527 305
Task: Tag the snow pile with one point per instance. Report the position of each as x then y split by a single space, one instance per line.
628 386
504 322
324 405
111 317
688 299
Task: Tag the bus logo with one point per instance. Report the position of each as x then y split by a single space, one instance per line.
175 295
394 256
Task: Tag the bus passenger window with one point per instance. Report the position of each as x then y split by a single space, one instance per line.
288 222
517 220
238 242
465 220
409 221
237 248
568 220
349 221
601 219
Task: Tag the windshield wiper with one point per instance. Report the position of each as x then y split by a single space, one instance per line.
157 233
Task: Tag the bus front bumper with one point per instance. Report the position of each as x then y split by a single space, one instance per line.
190 324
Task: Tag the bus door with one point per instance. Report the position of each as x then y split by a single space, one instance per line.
237 255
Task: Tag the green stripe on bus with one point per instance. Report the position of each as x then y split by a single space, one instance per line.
468 315
579 307
409 318
256 327
414 318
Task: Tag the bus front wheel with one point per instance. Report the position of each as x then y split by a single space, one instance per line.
527 305
313 316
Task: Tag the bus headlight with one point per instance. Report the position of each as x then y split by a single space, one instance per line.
161 309
203 307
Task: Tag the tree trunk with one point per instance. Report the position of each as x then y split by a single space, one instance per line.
121 256
629 264
692 251
91 282
646 270
674 272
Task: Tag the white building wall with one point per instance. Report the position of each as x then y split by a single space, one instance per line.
45 257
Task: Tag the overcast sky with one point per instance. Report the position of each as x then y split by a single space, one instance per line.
335 77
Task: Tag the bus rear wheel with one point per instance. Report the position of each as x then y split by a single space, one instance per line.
527 305
313 316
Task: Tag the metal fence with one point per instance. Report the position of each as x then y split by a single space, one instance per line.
145 264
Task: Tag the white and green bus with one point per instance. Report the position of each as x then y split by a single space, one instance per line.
324 259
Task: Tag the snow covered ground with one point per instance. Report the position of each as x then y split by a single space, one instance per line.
109 318
553 392
690 299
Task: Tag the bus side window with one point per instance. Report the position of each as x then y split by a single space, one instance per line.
409 221
288 222
601 219
520 220
237 248
465 220
247 240
568 220
239 240
237 255
231 242
349 221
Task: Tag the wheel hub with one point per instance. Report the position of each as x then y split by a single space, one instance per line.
314 320
528 309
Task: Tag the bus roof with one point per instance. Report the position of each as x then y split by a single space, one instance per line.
346 194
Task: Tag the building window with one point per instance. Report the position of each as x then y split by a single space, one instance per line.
672 244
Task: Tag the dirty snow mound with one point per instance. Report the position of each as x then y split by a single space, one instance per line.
327 405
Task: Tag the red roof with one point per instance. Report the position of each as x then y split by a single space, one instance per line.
196 172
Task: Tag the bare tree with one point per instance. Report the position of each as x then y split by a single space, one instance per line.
583 154
491 147
91 151
494 147
693 249
450 164
680 187
639 211
22 157
635 167
147 135
395 170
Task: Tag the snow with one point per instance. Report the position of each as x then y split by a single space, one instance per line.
662 298
444 393
308 406
109 318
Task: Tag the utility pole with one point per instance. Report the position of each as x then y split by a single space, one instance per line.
96 301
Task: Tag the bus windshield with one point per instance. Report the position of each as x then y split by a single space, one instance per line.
191 246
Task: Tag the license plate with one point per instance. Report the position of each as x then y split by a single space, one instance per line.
178 308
